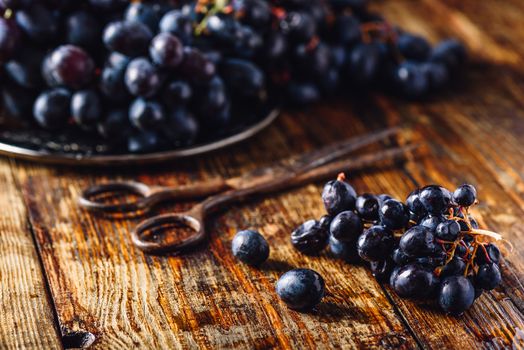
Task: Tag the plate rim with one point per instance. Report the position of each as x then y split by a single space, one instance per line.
46 157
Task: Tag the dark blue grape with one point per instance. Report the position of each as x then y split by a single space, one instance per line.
367 206
432 221
394 214
129 38
144 13
346 226
375 243
144 142
182 127
310 237
411 80
86 108
300 94
488 276
250 247
301 289
142 78
166 51
338 196
414 281
363 64
346 251
415 205
177 93
465 195
146 115
490 253
178 24
436 73
435 199
299 26
52 108
418 241
381 270
115 127
195 67
456 295
449 52
109 5
400 258
455 267
242 77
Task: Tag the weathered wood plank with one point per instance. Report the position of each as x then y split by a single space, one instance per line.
27 314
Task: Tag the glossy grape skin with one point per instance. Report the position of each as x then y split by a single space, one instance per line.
142 78
456 295
488 276
411 80
129 38
363 63
86 108
490 254
10 37
301 289
68 66
213 101
38 23
465 195
413 47
417 241
310 237
346 251
178 24
375 243
83 29
146 115
242 77
415 205
400 258
338 196
144 13
25 68
432 221
166 51
394 214
195 67
455 267
18 102
414 281
448 230
435 199
52 108
449 52
367 206
250 247
346 226
182 126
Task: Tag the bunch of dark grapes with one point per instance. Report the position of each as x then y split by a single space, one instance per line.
162 73
429 247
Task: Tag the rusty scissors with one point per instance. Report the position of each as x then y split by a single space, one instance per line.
312 166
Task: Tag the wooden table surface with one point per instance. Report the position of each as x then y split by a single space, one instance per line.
68 278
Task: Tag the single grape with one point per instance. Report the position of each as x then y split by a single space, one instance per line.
488 276
115 127
418 241
456 295
448 230
435 199
178 24
166 51
177 93
455 267
414 281
346 226
437 74
400 258
367 206
182 126
411 80
86 108
195 67
242 77
250 247
69 66
146 115
142 78
52 108
394 214
301 289
449 52
310 237
346 251
129 38
413 47
338 196
381 270
432 221
415 205
144 13
364 62
299 26
465 195
490 253
375 243
143 142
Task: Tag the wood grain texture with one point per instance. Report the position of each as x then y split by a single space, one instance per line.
102 285
27 319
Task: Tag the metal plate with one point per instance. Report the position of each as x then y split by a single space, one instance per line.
11 147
